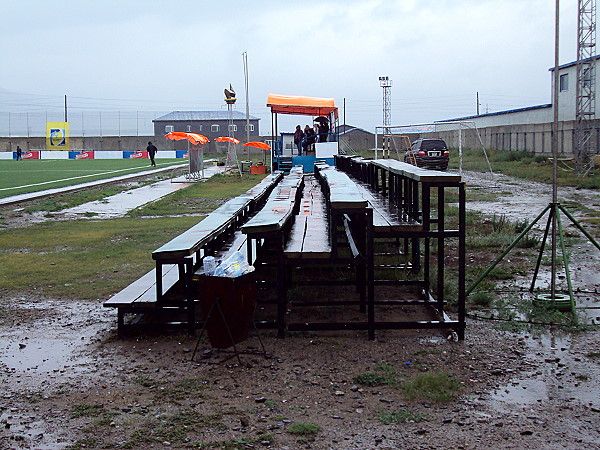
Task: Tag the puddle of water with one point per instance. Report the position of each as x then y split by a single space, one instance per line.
522 393
41 355
563 374
53 341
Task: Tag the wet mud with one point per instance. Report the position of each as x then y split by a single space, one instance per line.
68 381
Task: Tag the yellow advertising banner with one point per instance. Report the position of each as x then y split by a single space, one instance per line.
57 135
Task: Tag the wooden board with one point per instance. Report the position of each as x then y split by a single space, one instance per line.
143 290
206 230
386 216
256 192
279 208
316 238
309 238
414 172
343 193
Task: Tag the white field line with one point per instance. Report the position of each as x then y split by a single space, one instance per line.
71 178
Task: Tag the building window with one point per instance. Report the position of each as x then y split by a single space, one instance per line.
232 127
189 128
249 127
214 128
169 128
564 82
200 127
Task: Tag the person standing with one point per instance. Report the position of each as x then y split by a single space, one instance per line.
323 130
19 153
151 149
309 134
298 136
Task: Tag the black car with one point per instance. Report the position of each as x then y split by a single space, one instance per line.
428 154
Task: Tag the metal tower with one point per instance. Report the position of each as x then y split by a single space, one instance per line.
586 84
386 84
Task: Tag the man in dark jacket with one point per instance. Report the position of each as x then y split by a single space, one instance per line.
298 136
151 149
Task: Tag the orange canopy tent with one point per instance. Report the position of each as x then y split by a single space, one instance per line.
296 104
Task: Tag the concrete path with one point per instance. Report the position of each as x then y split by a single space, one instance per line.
39 194
119 204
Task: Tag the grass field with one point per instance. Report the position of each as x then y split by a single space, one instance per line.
92 259
20 177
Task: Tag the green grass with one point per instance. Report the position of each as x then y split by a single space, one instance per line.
83 259
173 428
401 416
91 259
181 390
481 299
522 164
384 374
431 386
303 428
20 177
200 198
87 410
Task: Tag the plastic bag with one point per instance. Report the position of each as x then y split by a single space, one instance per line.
234 266
210 265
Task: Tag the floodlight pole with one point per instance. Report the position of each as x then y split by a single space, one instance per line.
386 84
245 59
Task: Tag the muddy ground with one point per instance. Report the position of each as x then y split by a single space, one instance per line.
68 380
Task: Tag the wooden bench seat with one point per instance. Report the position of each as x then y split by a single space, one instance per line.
190 241
230 213
415 173
170 282
386 215
340 188
140 296
142 290
279 208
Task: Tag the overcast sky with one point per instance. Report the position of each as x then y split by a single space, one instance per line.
146 55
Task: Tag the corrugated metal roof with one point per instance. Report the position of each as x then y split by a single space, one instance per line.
498 113
346 129
202 115
563 66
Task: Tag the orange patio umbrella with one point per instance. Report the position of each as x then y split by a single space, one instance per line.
227 139
194 138
257 144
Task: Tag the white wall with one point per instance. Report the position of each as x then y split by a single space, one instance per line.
53 155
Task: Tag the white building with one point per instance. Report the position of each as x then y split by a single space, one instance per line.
531 128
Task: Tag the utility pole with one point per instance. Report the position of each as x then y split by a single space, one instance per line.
555 147
66 108
477 102
245 59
